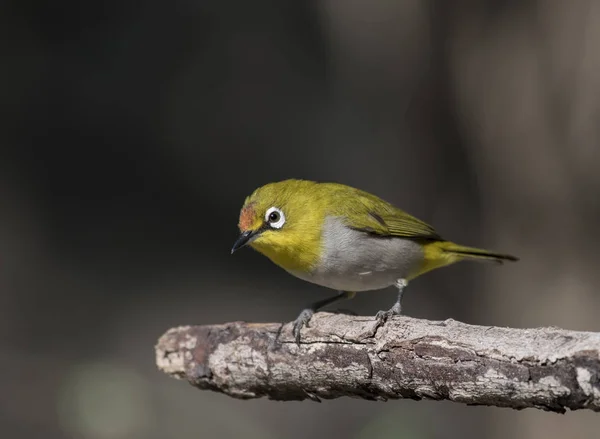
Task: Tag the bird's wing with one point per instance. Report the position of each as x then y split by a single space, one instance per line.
383 219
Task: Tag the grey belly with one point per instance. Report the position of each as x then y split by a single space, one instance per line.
356 261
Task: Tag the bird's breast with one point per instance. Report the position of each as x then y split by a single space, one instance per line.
352 260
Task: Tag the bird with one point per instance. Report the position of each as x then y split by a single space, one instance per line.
345 239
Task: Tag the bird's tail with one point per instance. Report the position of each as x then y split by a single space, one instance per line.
441 253
462 252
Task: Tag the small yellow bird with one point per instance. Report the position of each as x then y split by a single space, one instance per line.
346 239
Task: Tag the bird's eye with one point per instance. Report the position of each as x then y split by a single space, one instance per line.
275 217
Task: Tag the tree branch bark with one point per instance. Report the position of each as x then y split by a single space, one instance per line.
547 368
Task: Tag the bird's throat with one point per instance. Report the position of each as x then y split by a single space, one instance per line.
290 257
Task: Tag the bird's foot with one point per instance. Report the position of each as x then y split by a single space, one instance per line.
301 321
383 316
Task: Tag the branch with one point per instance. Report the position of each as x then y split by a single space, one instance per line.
340 355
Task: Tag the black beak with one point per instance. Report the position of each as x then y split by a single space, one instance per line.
243 240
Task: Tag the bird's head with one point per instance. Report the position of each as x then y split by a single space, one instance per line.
283 221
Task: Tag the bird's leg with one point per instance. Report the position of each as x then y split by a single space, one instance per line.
395 310
306 314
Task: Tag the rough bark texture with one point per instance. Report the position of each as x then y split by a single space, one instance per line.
339 355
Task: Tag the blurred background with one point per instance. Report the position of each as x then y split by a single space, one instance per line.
131 132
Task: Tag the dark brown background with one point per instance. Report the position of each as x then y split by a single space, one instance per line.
130 133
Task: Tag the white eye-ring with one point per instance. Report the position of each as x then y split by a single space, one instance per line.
275 218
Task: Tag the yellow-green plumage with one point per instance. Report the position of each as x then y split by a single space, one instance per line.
308 203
